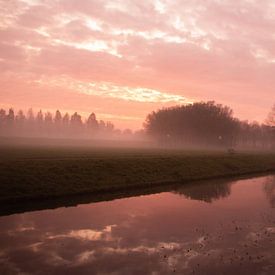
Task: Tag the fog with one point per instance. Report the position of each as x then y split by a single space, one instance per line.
204 125
45 128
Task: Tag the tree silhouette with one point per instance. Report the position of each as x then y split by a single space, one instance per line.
92 123
39 118
20 120
58 117
271 117
204 123
66 119
10 117
30 115
49 125
198 123
76 120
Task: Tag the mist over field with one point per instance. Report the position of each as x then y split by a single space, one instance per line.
193 126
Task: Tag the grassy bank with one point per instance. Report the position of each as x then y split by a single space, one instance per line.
34 173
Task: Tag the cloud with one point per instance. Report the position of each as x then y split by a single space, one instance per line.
147 51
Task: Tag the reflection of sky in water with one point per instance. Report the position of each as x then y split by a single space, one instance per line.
226 227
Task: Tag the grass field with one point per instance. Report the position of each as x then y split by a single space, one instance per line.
28 173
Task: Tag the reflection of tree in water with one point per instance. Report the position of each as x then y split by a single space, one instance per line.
207 191
269 188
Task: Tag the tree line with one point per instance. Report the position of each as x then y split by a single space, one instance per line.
208 124
46 124
197 124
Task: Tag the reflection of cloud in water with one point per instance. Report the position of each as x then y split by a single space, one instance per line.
205 253
84 258
91 235
161 234
206 191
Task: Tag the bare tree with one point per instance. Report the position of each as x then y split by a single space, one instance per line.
271 117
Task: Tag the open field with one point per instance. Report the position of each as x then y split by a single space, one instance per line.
47 172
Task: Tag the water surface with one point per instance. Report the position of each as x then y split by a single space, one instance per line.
208 228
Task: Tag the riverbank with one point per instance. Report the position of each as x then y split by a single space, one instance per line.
48 172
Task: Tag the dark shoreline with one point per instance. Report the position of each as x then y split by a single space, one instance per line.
46 203
37 175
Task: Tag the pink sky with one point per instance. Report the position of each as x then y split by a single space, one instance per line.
124 58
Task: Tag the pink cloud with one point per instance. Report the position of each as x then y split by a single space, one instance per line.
36 16
199 50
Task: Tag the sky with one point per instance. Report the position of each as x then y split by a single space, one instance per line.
123 59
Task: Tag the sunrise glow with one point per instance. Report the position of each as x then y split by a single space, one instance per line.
123 59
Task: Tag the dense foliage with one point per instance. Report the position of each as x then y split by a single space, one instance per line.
206 123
